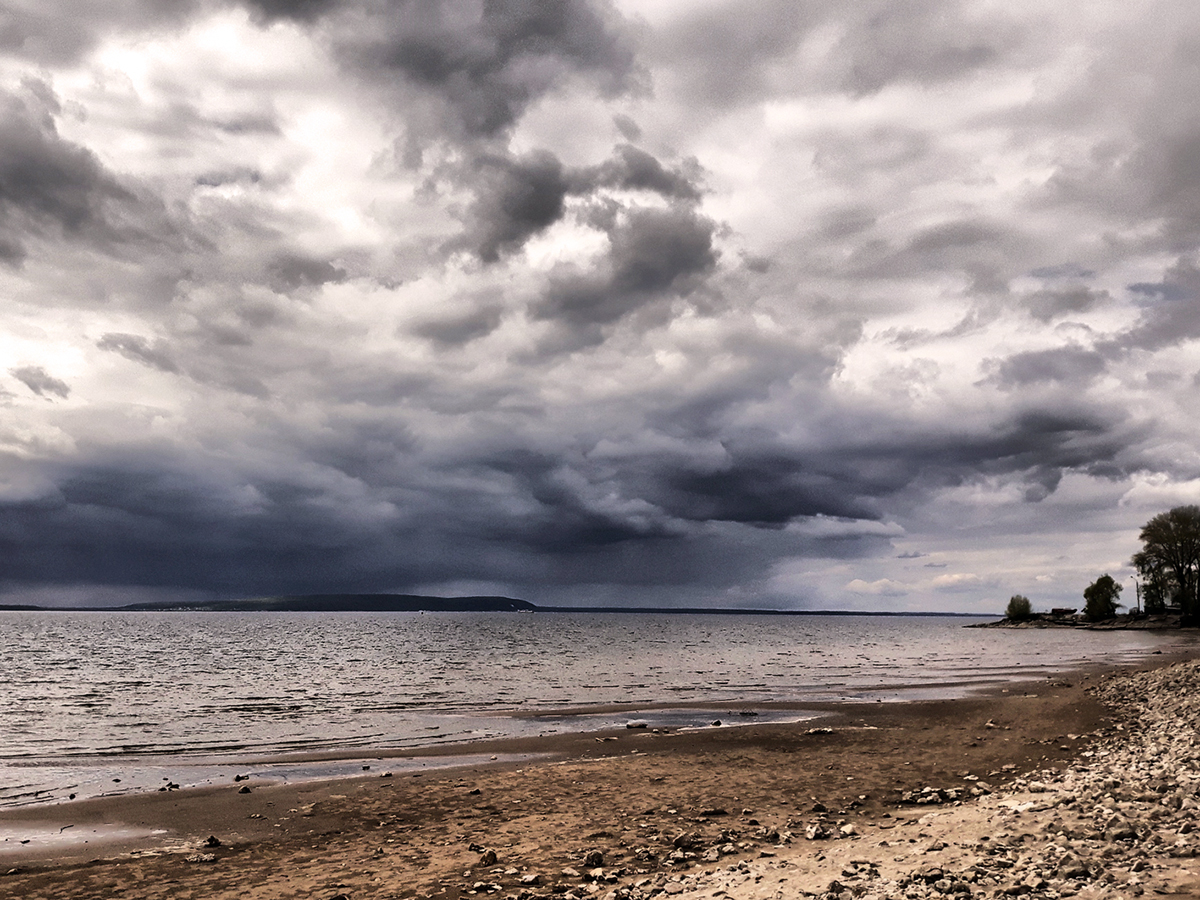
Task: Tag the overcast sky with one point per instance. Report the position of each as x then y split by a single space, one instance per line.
758 303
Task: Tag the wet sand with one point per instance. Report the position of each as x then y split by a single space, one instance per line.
633 796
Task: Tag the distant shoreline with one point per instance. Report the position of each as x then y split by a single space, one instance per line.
1126 622
420 603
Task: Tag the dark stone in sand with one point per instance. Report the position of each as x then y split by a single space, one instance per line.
243 790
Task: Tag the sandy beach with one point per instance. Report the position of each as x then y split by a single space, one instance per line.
725 811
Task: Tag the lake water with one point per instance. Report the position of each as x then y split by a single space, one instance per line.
188 697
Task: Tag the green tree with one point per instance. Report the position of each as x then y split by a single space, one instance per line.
1158 587
1171 556
1101 598
1018 608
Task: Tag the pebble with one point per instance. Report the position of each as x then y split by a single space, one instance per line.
1106 826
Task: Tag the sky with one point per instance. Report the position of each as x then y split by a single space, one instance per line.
760 304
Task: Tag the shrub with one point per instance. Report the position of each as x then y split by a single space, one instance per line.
1019 607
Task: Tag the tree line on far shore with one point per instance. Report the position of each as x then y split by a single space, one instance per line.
1168 571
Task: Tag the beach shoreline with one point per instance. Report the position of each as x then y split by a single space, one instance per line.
432 736
544 803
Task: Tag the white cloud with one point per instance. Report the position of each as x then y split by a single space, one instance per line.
884 587
956 582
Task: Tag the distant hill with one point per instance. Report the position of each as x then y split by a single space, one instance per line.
346 603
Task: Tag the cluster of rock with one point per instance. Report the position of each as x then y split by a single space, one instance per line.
1113 825
927 796
1116 824
656 869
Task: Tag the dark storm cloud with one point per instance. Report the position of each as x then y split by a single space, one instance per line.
632 168
853 477
953 236
764 490
40 382
1070 366
361 508
149 526
630 130
1036 437
288 271
295 10
1170 312
487 62
250 123
1053 303
514 200
557 516
765 486
462 329
1044 444
517 197
140 350
240 175
658 250
146 525
49 186
652 252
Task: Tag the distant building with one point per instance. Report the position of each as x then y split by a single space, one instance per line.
1062 611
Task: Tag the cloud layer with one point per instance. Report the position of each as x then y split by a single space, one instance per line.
744 304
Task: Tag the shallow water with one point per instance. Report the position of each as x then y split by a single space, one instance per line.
90 694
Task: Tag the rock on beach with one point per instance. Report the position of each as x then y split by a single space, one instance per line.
1120 822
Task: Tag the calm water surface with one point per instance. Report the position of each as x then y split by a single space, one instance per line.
91 694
